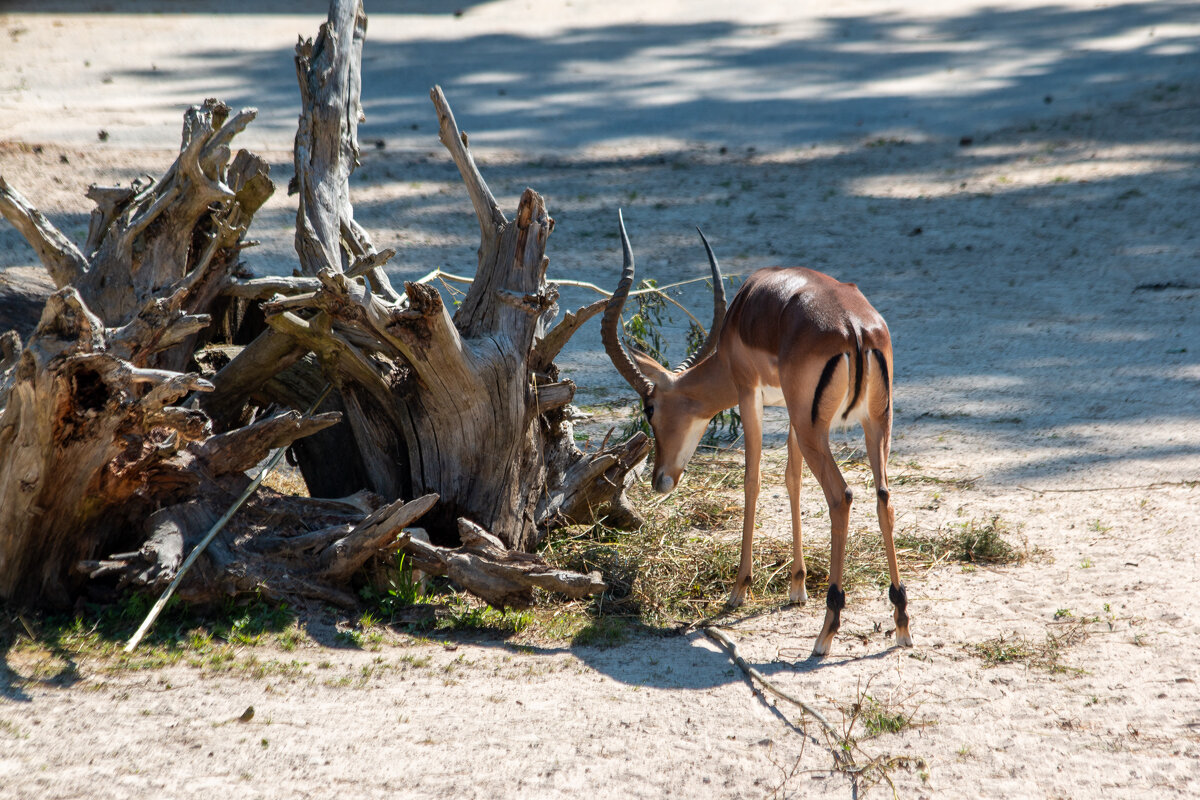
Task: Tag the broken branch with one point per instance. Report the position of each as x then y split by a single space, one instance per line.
57 253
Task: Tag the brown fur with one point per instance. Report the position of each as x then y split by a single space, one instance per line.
819 343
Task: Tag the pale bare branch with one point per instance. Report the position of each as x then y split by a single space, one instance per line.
57 253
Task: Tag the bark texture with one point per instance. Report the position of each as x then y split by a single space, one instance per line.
97 452
502 577
93 437
116 454
469 406
282 548
92 445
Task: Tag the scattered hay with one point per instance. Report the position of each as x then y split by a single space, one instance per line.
681 565
287 480
973 542
1019 649
678 568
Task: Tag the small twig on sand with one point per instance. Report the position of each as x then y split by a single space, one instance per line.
841 752
1156 485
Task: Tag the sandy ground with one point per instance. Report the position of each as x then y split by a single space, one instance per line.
1041 282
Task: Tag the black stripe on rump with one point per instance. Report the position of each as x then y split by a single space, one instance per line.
887 381
858 377
826 377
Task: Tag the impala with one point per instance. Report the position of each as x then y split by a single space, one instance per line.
793 337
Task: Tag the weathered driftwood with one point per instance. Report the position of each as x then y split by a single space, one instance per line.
23 294
91 445
96 458
100 452
91 441
279 547
471 406
160 248
329 71
489 570
327 237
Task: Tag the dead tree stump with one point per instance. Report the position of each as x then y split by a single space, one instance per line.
471 406
108 446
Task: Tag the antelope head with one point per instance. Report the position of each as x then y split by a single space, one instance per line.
677 409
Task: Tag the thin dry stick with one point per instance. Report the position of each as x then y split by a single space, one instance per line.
939 560
28 627
217 527
841 754
450 276
444 276
1158 485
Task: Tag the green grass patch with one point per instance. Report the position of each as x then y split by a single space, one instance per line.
603 632
397 589
465 614
879 718
204 638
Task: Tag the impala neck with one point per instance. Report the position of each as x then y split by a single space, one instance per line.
710 385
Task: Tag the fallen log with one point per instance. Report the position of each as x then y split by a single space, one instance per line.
487 569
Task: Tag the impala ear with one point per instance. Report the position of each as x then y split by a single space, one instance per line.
654 371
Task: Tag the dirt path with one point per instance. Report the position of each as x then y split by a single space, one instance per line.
1042 284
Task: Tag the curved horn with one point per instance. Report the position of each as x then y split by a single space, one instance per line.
710 343
611 319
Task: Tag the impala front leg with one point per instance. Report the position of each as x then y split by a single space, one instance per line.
750 407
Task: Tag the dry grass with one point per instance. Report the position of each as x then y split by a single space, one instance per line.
681 565
975 542
1019 649
871 716
287 480
677 569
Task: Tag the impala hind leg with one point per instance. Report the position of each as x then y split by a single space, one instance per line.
839 497
750 407
878 436
797 591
